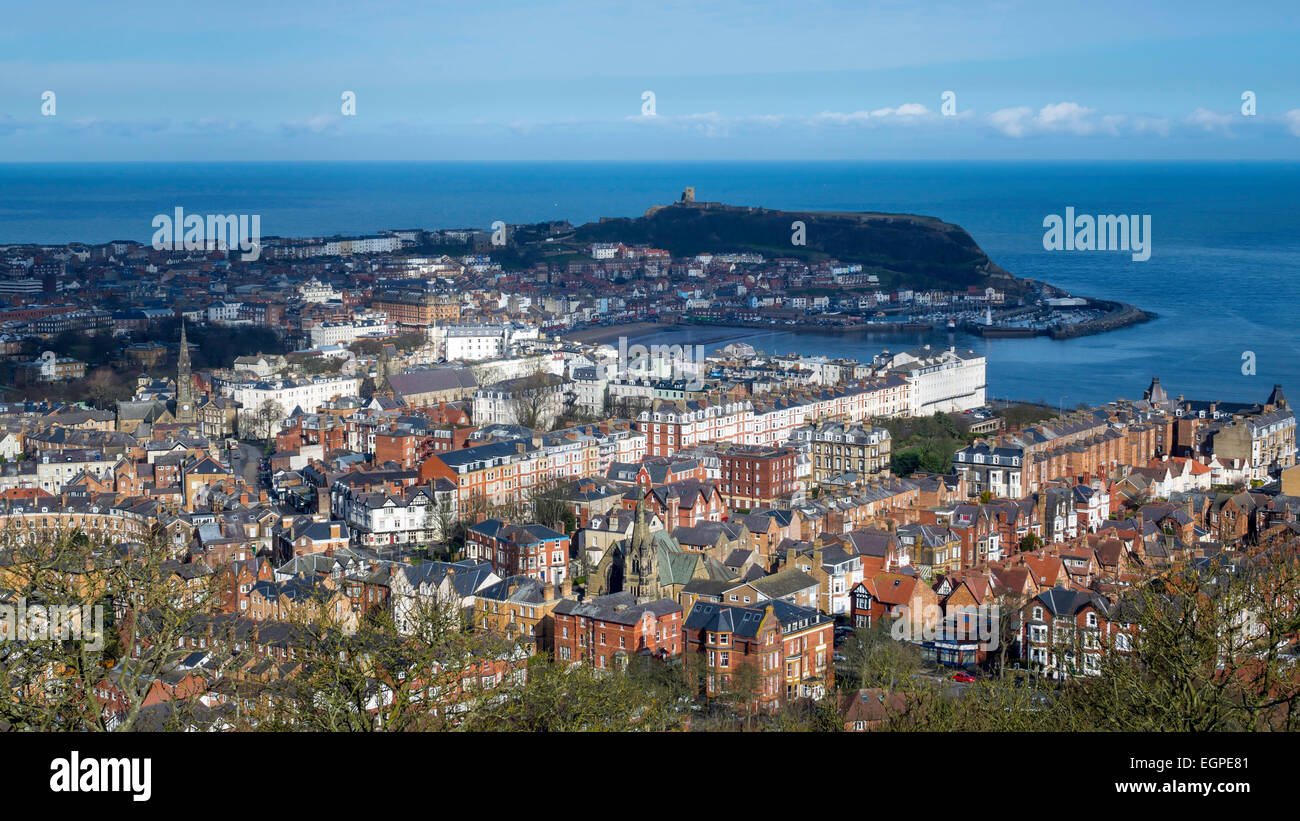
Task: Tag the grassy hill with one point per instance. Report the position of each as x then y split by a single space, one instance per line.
913 250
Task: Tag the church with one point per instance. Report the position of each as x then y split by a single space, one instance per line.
213 417
649 566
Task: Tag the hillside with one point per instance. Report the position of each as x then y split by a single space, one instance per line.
903 249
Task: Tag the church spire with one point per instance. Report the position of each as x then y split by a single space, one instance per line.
185 410
643 579
183 357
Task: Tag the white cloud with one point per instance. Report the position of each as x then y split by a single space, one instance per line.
1211 121
1070 118
907 113
331 124
1292 120
1054 118
1013 122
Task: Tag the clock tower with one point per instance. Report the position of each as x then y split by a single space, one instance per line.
186 411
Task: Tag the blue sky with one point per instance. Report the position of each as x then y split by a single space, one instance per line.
564 80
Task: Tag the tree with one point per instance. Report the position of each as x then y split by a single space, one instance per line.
533 401
444 523
547 502
743 687
1208 654
1007 626
558 697
126 618
104 387
626 406
875 659
262 422
421 675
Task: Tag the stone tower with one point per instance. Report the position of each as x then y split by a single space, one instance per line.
1155 394
641 558
688 195
1276 399
185 405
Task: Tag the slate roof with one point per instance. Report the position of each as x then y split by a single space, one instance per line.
723 618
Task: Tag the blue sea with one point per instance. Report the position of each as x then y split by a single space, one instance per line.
1223 274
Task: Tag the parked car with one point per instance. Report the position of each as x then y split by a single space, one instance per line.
964 678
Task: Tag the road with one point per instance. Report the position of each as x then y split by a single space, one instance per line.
243 461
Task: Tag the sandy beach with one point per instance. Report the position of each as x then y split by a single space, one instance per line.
612 333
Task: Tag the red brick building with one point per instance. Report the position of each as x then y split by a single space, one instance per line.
788 647
607 630
756 476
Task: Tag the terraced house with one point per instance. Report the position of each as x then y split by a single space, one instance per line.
838 448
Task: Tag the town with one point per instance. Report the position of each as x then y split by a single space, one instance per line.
418 480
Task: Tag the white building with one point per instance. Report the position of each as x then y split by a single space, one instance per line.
362 245
941 380
316 291
589 388
323 334
224 313
307 394
414 515
472 343
510 402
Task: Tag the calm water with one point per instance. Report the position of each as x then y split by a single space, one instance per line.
1222 275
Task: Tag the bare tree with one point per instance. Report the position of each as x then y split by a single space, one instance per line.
425 674
444 523
117 619
262 422
104 387
533 401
